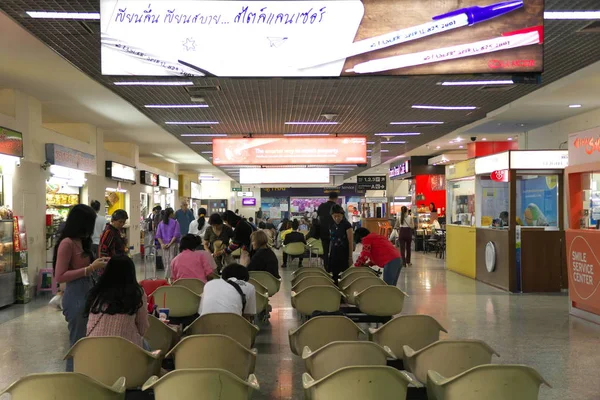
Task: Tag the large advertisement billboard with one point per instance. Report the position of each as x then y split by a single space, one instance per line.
320 38
290 151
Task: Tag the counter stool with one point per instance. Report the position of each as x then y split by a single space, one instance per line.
41 275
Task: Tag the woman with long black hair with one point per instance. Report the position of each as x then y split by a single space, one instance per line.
117 304
405 226
198 226
74 265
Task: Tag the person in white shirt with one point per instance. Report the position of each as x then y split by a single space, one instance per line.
198 226
230 294
99 226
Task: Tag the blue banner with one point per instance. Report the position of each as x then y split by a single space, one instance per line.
539 201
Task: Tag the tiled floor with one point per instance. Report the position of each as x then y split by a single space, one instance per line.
529 329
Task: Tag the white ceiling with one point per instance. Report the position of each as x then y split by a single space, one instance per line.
70 96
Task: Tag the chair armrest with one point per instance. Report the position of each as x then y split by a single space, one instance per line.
150 382
307 380
408 351
435 378
411 380
390 353
306 353
119 385
253 382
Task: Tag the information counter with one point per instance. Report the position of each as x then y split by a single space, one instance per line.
582 235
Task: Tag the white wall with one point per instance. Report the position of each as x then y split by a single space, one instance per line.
554 135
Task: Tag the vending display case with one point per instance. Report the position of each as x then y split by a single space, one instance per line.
7 266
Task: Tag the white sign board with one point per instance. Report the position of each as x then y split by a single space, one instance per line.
283 175
489 164
226 38
544 159
584 147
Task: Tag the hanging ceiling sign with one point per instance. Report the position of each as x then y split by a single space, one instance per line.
327 38
371 182
120 172
70 158
11 142
401 169
290 151
148 178
163 182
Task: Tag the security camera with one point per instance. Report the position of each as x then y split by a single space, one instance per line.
473 138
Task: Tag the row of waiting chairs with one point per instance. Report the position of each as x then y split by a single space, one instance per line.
340 366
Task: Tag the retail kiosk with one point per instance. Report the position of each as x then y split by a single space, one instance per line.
519 220
583 234
460 218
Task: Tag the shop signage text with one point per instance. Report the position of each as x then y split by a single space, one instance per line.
70 158
400 169
371 182
584 277
584 147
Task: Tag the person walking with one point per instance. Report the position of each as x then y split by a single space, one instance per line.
378 250
74 264
184 217
342 243
326 220
405 226
112 242
168 235
99 227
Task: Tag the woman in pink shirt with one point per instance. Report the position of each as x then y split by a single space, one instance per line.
73 264
117 305
191 263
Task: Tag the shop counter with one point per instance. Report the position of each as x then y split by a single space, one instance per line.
583 260
500 272
372 224
460 249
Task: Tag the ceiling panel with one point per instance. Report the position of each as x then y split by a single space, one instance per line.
365 105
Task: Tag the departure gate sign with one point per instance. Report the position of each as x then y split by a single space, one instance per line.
327 38
290 150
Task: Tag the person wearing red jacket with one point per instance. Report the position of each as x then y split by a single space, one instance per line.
378 250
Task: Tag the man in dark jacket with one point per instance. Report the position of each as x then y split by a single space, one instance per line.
325 221
293 237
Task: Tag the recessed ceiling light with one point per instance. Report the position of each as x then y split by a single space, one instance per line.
394 142
437 147
509 138
310 123
154 83
63 15
306 134
575 106
572 15
461 147
191 122
176 106
417 123
459 139
484 139
200 142
203 134
398 134
426 107
477 83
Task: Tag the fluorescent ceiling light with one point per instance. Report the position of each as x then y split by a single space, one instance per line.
477 83
306 134
484 139
369 150
384 151
575 106
157 155
398 134
370 142
203 134
191 122
176 106
310 123
427 107
572 15
200 142
154 83
206 152
63 15
417 123
171 160
394 142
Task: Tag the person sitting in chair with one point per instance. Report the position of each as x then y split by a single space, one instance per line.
293 237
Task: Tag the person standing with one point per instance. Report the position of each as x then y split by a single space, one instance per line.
216 238
184 216
242 230
293 237
405 226
326 220
112 242
74 264
378 250
168 235
342 243
259 215
99 227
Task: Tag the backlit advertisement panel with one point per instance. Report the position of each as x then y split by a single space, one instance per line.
326 38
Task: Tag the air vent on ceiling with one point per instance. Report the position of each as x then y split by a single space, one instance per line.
92 27
496 88
200 90
593 27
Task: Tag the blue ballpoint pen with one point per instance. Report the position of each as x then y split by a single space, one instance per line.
441 23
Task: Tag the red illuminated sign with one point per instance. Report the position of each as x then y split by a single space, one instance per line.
589 144
290 151
500 176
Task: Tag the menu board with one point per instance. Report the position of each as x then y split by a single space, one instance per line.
327 38
163 182
120 172
148 178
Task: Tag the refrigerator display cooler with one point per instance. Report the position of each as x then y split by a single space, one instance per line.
7 266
